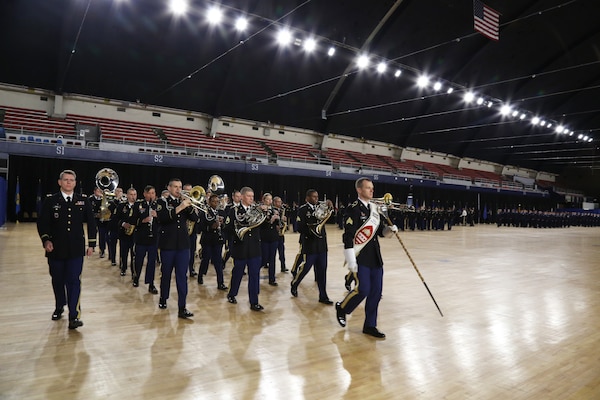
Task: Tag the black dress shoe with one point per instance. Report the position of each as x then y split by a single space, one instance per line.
222 287
200 280
75 323
340 314
373 331
193 274
326 301
162 303
113 264
256 307
102 254
152 289
273 283
294 290
122 272
184 313
284 269
136 283
57 314
231 299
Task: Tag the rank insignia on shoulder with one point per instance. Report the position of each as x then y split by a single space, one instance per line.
354 204
349 221
158 207
227 220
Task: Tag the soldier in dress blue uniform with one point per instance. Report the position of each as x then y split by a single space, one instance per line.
269 237
96 202
146 237
236 198
60 227
368 265
212 241
281 228
313 248
124 213
193 235
174 245
113 226
245 252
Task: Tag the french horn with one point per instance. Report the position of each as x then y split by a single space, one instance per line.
323 210
253 217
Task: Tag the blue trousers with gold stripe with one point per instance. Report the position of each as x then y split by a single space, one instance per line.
302 266
253 277
368 284
66 283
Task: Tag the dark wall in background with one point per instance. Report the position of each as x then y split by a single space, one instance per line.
34 172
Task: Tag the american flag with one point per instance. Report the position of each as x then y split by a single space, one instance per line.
486 20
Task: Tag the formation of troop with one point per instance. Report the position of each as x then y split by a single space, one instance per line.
164 230
545 219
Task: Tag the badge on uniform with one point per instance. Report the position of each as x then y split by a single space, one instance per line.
349 221
80 203
158 207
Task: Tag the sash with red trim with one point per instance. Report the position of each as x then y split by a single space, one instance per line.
367 231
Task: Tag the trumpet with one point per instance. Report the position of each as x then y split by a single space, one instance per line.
387 203
197 195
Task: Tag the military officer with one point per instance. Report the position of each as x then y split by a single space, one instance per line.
60 227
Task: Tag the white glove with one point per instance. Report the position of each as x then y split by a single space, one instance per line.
351 260
394 228
389 230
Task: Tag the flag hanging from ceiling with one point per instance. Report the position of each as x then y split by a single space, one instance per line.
487 20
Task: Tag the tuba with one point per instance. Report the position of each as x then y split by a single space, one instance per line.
253 217
216 185
323 211
107 180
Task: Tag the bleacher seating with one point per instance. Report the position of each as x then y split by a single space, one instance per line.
33 121
295 151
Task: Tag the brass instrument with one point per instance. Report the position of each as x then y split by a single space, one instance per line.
283 223
323 211
253 217
216 185
107 180
197 195
386 203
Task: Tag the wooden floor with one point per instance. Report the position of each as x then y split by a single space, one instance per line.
521 321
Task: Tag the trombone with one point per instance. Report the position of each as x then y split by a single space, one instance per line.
386 201
197 195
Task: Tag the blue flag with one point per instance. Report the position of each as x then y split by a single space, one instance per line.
18 198
485 212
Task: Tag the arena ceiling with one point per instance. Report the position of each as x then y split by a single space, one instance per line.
546 64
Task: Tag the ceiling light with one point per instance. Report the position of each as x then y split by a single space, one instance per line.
566 131
585 137
310 44
437 86
505 110
560 129
590 140
284 37
423 81
535 120
178 7
214 16
362 62
543 123
331 51
241 24
522 116
515 113
397 73
469 96
480 101
490 104
571 133
549 125
381 67
450 90
580 136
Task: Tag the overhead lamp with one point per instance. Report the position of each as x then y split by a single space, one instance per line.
490 104
381 67
310 44
505 110
522 116
450 90
542 123
571 133
241 24
479 101
590 140
535 120
580 136
178 7
469 97
437 86
585 137
284 37
566 131
331 51
214 15
560 129
397 73
515 113
423 81
549 125
362 61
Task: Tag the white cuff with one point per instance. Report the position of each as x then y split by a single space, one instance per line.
350 256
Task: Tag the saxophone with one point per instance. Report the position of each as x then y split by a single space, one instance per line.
282 221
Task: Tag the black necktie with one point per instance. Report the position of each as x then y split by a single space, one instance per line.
68 199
